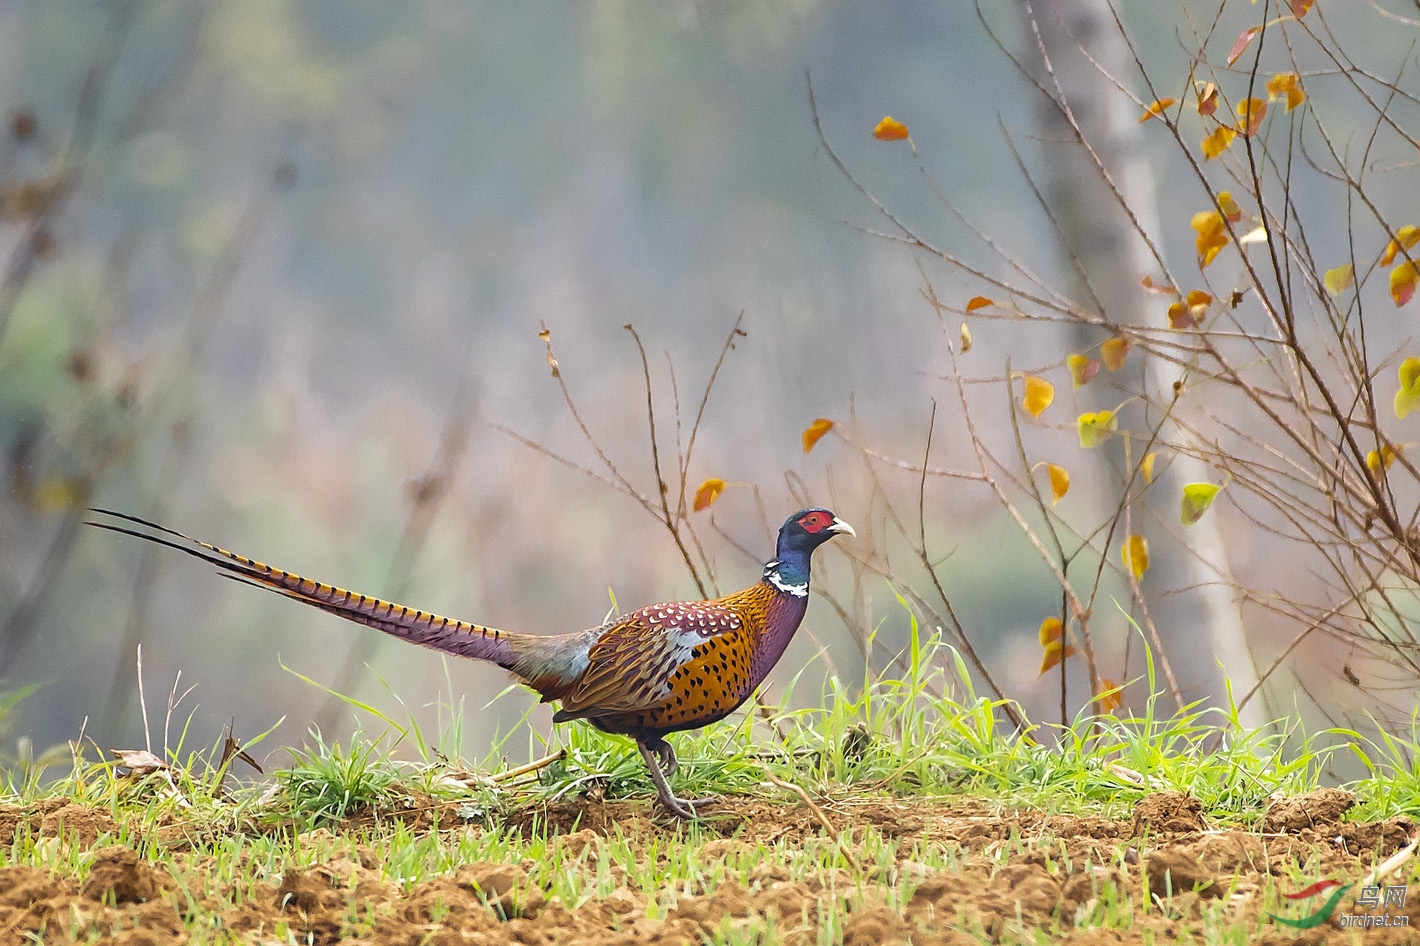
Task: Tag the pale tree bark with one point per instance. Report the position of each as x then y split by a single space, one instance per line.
1094 168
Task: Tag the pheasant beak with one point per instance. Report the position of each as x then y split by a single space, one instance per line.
838 525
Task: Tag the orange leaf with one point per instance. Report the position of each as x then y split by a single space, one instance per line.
1054 654
1110 696
890 129
1242 42
1289 85
1135 553
1208 99
1155 109
708 492
1150 286
1402 282
1113 351
1050 630
1038 395
978 302
1059 482
1300 7
1216 143
1082 370
815 431
1179 317
1407 236
1250 112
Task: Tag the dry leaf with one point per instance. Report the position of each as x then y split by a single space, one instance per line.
708 492
815 431
1113 351
1059 482
1082 370
1241 43
1155 109
1339 279
1135 553
1038 395
890 129
1402 282
1197 497
1094 428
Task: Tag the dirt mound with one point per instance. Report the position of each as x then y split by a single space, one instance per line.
1011 876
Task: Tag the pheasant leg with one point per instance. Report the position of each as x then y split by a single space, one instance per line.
653 755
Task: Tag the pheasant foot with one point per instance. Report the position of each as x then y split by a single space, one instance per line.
654 755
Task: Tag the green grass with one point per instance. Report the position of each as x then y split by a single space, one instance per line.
920 732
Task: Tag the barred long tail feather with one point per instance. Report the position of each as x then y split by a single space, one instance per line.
429 630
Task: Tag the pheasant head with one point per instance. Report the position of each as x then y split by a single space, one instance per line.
801 533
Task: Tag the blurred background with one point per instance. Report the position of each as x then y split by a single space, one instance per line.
289 301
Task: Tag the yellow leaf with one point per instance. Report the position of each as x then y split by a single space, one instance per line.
1050 630
965 338
1110 697
1197 497
1113 352
1288 85
815 431
890 129
1095 428
1146 466
1407 236
1208 99
1228 207
1402 282
1038 395
1135 553
1378 462
1217 142
1054 654
1155 109
545 335
978 302
1339 279
1407 399
1082 370
1059 482
1250 112
708 492
1212 235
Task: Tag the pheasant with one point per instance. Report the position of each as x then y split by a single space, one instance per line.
662 669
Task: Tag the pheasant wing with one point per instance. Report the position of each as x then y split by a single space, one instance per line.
630 665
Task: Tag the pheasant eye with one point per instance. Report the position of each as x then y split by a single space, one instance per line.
813 522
